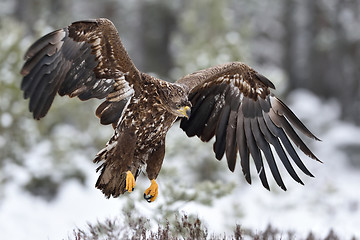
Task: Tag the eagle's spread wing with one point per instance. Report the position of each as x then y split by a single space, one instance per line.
233 103
85 59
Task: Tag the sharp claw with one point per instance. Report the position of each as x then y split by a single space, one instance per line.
152 192
148 197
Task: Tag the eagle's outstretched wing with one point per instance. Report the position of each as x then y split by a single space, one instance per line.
85 59
233 103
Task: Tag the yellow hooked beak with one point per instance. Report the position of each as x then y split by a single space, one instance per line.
185 111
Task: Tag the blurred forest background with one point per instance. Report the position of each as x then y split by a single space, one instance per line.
298 44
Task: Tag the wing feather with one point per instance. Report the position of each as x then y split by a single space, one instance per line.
265 148
210 126
241 142
231 146
36 90
255 152
47 93
197 123
219 145
245 118
260 106
33 83
273 140
278 132
282 123
281 109
85 60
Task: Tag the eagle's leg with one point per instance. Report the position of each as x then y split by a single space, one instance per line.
151 193
130 181
153 167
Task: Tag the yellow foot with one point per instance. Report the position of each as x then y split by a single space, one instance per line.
151 193
130 181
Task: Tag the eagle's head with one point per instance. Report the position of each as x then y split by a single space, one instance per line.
175 100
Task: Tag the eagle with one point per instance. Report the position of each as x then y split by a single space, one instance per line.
231 102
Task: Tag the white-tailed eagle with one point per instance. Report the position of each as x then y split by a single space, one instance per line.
231 102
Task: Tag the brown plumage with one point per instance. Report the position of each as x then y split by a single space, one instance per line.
231 102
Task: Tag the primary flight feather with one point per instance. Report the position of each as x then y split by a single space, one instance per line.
231 102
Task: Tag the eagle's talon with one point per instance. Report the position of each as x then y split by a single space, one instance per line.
151 193
148 197
130 182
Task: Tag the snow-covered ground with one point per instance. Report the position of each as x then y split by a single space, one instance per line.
330 200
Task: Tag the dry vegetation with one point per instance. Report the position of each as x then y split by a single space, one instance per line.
184 227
